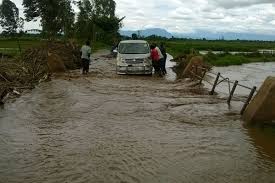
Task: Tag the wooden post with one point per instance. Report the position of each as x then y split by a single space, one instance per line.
248 99
215 84
232 92
193 74
204 73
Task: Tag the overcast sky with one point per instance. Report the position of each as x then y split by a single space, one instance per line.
254 16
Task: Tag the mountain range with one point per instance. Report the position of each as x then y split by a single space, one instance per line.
147 32
200 34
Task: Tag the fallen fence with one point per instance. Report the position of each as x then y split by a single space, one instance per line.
200 73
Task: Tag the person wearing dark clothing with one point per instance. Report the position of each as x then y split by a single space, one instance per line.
163 63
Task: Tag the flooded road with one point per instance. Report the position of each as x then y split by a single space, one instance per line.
108 128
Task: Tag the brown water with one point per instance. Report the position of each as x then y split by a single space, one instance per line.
129 129
249 75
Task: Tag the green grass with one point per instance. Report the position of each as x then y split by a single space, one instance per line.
182 46
10 46
99 46
13 43
228 59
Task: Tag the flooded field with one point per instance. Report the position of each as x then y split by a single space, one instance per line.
109 128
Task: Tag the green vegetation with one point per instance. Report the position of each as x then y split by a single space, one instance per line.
239 59
24 43
99 46
9 17
11 46
96 19
181 47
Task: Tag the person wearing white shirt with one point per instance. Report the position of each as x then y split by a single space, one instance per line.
85 56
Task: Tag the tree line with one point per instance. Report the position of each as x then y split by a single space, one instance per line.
96 19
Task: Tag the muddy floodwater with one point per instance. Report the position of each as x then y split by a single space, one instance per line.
249 75
129 129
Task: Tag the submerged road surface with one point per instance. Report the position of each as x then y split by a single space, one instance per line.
129 129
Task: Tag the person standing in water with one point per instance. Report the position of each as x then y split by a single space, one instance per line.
163 63
86 52
155 59
161 60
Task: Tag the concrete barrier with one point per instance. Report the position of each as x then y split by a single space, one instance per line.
262 108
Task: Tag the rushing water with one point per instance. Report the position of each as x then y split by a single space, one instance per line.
171 75
249 75
134 129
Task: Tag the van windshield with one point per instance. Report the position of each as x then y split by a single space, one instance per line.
133 48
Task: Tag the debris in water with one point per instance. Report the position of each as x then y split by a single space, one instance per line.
32 66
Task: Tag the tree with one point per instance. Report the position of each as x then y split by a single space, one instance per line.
104 8
97 20
56 15
9 17
134 36
84 24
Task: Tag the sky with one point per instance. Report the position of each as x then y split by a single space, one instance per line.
188 16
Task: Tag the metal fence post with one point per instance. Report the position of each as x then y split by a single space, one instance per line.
232 92
248 99
215 84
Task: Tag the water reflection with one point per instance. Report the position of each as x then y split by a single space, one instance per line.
263 140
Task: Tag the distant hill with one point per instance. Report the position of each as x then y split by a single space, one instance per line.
200 34
225 35
148 32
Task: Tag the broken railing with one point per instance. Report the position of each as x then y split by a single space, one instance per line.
200 73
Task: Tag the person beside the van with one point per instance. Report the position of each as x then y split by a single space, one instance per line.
85 56
161 60
155 58
163 63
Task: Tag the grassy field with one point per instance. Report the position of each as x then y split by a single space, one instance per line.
174 47
11 46
182 46
177 48
228 59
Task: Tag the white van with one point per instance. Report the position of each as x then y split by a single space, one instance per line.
134 57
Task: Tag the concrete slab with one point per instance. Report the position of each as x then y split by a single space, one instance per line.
262 108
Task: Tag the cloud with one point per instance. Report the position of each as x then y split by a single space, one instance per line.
253 16
240 3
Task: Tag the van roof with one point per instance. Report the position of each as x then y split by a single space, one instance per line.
134 41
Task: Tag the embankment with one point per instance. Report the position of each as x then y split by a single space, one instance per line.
32 67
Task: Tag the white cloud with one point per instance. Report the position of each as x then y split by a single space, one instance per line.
253 16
